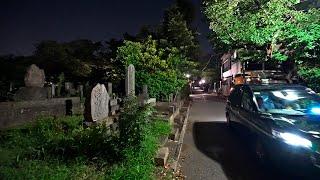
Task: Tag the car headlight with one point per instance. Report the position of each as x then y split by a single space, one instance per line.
293 139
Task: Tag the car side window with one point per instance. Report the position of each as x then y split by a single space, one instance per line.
235 97
247 102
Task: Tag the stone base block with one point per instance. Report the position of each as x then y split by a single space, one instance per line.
174 135
162 156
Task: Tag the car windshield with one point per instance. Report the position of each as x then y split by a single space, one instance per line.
288 101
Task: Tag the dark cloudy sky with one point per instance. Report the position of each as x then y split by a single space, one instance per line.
26 22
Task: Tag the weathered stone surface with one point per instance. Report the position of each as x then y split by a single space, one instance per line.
174 135
97 106
81 91
145 93
172 109
110 89
17 113
114 109
113 102
152 101
162 156
179 119
170 98
30 94
130 80
34 77
53 90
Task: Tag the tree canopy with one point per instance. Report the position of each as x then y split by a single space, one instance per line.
159 68
274 25
281 30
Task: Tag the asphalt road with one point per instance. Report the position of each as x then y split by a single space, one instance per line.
212 151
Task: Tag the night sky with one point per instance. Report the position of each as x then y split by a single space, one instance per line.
26 22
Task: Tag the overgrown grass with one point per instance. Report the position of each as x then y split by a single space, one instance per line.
138 163
63 149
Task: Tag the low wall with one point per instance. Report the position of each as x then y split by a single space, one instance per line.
15 113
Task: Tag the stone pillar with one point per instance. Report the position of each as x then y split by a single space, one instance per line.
53 90
81 91
67 87
130 80
49 93
11 86
145 92
59 90
170 98
110 89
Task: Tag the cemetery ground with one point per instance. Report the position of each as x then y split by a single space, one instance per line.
61 148
107 137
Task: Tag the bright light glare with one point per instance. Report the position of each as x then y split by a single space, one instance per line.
315 110
202 81
290 96
188 75
295 140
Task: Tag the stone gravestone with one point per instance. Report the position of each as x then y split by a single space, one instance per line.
69 88
110 89
114 106
34 81
53 90
11 86
81 91
34 77
97 106
145 92
130 80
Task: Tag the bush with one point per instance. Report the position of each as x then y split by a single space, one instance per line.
139 162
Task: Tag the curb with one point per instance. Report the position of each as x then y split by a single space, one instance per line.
180 142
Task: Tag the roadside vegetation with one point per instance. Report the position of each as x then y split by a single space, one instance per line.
62 148
269 30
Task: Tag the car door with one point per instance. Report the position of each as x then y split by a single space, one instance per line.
247 108
234 102
250 116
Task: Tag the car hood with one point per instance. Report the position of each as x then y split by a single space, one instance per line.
307 124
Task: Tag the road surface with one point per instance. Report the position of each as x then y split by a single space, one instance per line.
211 151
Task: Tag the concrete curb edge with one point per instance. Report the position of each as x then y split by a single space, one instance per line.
181 138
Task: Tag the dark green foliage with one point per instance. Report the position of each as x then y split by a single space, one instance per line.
268 30
139 135
133 123
312 77
178 33
74 58
160 68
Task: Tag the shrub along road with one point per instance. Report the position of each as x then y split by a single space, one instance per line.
211 151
